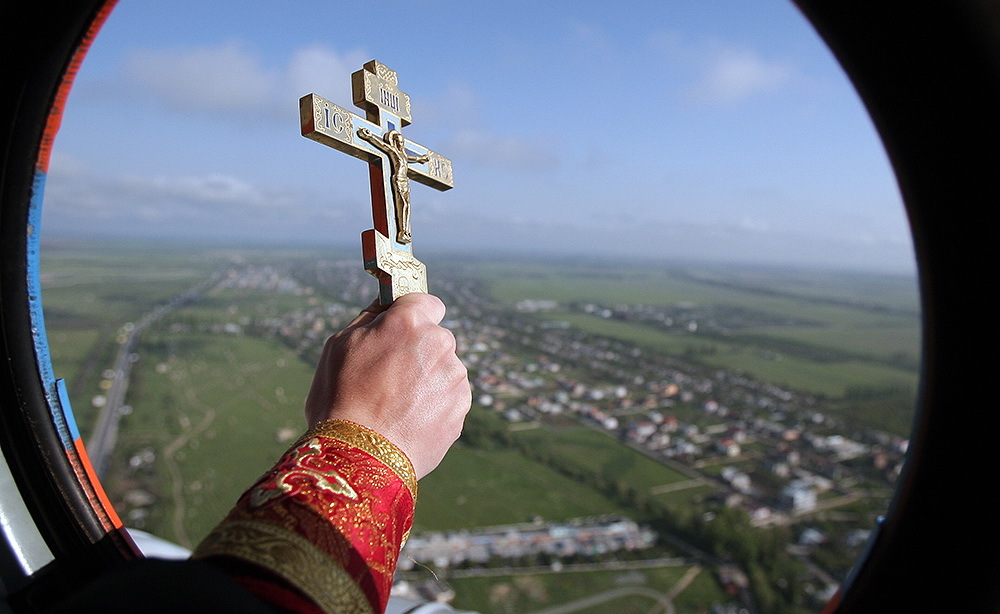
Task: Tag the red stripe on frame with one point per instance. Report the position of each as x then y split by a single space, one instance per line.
54 119
102 503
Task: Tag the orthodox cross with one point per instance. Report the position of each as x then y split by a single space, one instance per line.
392 161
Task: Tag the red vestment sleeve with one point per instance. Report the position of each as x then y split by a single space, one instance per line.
327 522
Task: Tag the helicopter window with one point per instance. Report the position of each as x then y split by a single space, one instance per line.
676 256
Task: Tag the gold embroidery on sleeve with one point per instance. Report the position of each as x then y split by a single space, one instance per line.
303 476
372 443
291 556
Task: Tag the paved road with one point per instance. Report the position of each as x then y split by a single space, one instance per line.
103 438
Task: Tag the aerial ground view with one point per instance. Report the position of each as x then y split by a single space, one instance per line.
644 438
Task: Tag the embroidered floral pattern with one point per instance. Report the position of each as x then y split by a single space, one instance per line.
305 471
338 505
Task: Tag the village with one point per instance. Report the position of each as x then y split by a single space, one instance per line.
590 537
708 423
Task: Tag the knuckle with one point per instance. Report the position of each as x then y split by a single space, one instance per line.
403 323
446 339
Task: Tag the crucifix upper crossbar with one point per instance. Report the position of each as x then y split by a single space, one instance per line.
392 161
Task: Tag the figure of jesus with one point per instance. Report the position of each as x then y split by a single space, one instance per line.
393 145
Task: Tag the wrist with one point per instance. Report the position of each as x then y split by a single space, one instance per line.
370 441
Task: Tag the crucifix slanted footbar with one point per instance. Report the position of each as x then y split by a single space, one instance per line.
392 161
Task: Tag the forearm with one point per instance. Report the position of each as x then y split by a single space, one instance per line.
329 519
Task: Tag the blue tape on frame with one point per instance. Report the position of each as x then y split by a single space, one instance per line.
55 392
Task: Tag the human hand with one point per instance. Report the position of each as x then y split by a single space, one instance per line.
394 370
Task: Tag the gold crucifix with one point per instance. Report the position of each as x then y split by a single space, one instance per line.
392 161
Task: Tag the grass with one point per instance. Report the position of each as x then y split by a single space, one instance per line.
215 405
536 592
475 488
602 454
69 349
88 294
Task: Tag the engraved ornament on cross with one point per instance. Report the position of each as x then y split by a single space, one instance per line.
392 161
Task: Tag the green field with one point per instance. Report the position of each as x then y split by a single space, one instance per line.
89 292
464 492
216 407
864 330
536 592
597 452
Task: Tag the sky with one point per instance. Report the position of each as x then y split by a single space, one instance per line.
644 131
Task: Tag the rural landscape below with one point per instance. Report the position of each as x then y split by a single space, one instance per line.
657 437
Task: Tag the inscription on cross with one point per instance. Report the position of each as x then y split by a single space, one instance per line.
392 161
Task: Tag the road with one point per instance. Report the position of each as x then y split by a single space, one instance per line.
105 433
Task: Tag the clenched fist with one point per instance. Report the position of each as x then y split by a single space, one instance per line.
394 370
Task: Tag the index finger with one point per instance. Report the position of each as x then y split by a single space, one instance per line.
367 314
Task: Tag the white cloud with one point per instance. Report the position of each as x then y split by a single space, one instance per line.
222 78
732 75
510 152
79 200
231 79
321 70
457 105
212 192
